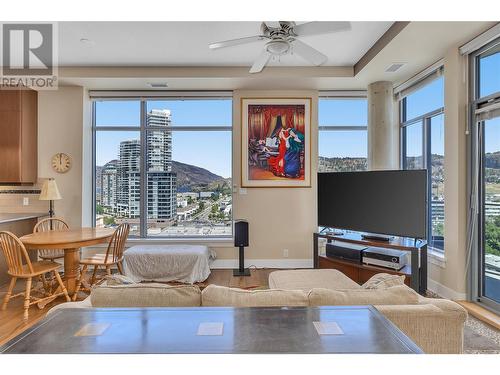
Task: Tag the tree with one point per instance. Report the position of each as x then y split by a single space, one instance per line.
99 209
492 236
109 220
438 229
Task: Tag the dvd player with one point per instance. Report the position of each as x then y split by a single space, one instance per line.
393 259
346 251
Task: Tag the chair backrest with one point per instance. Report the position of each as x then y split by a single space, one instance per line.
14 252
51 223
117 243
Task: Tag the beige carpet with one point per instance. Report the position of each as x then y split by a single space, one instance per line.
480 338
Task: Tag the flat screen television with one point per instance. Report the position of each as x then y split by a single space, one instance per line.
381 202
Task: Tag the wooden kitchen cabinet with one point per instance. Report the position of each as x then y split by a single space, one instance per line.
18 136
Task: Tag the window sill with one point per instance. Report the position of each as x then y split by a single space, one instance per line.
436 257
211 242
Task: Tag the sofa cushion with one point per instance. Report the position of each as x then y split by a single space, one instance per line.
383 281
214 295
396 295
309 279
145 295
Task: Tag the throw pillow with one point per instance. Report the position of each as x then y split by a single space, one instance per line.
384 281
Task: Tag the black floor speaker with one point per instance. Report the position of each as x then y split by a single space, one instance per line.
241 241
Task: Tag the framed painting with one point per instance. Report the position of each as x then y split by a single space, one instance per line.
276 142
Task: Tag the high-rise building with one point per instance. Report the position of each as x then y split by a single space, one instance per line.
161 182
109 185
159 142
129 179
121 179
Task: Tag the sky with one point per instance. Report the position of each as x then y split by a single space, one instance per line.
489 83
212 150
207 149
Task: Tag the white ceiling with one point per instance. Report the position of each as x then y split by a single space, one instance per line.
419 45
186 44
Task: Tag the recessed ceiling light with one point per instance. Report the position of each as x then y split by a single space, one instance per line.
394 67
158 85
87 42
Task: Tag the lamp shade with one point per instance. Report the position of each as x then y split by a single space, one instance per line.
50 192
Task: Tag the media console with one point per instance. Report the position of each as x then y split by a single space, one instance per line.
416 273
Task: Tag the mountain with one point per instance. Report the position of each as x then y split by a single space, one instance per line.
492 160
193 178
341 164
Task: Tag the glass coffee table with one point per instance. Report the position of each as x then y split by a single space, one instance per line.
328 329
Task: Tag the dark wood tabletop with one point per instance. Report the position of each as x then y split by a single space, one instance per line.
226 330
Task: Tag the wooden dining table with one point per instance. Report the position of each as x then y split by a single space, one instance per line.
69 240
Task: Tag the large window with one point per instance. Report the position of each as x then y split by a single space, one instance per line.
485 148
342 134
164 166
422 146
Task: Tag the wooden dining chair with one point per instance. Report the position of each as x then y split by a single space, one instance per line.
20 267
46 225
113 256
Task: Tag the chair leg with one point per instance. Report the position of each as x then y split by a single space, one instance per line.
94 273
108 270
120 267
27 298
9 292
79 282
63 287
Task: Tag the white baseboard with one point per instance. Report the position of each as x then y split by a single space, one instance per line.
263 263
444 291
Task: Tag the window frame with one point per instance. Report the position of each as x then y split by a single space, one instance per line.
476 180
342 95
426 121
143 129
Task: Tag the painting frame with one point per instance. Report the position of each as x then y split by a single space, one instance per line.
276 181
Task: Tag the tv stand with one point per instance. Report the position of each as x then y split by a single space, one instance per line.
416 273
376 237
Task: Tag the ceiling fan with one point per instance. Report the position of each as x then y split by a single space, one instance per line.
284 38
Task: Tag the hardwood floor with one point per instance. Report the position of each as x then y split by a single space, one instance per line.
12 324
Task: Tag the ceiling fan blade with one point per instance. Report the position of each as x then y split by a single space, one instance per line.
261 62
235 42
274 24
316 28
307 52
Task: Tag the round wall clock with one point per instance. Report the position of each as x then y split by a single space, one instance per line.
61 162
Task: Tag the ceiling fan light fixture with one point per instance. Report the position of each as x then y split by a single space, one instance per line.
277 47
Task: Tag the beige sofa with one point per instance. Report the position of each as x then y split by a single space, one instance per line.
436 325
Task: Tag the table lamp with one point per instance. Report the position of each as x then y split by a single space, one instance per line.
50 193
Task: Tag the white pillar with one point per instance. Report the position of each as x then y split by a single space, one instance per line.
383 132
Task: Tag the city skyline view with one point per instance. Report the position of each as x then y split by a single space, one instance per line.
176 203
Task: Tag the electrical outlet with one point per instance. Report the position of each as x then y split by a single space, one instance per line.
285 253
26 201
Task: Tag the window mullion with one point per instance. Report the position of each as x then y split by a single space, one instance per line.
143 220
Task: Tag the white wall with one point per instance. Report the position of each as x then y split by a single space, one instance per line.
279 218
449 277
60 117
